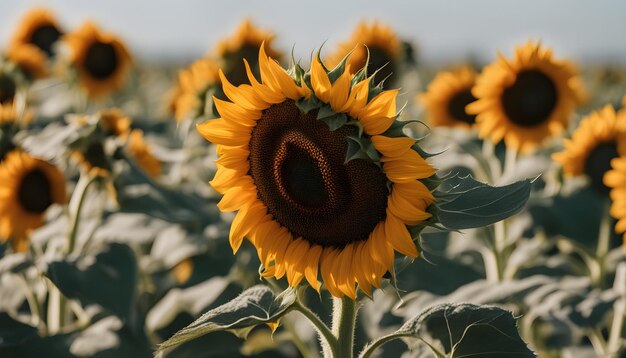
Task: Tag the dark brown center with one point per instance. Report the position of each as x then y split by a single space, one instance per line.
44 38
298 166
7 89
101 60
235 68
380 61
598 163
531 99
34 193
456 106
96 156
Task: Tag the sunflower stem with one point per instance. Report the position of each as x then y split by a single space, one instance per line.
602 249
510 160
344 319
495 169
615 344
75 207
329 342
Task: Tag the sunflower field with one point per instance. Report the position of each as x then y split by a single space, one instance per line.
351 203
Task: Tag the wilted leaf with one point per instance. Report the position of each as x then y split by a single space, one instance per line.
107 279
254 306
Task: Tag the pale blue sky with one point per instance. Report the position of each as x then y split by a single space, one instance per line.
444 30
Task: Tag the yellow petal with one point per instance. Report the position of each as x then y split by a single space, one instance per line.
219 131
235 198
378 115
246 220
399 236
392 147
232 112
320 81
312 265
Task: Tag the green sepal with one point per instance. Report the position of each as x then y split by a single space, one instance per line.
335 121
359 76
308 104
339 69
361 148
374 91
397 128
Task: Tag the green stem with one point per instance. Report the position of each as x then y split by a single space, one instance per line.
615 343
597 342
57 316
344 319
75 207
602 249
327 335
510 159
33 304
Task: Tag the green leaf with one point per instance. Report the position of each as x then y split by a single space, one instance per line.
471 204
108 279
13 332
463 330
256 305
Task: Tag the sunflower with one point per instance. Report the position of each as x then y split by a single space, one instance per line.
527 99
142 153
377 40
447 96
193 87
8 118
101 60
615 179
28 186
115 122
38 27
93 157
306 205
8 87
29 59
244 44
599 138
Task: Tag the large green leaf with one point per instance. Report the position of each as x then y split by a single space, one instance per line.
256 305
463 330
470 204
13 332
108 279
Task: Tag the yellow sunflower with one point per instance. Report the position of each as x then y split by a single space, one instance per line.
29 59
527 99
599 138
101 60
142 154
192 88
115 122
28 186
615 180
40 28
92 157
8 87
305 205
380 42
244 44
448 95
